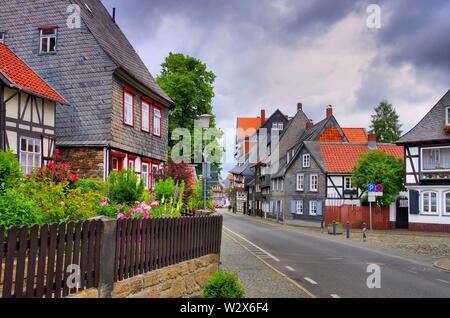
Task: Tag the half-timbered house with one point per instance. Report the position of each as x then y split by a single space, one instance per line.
27 112
118 116
427 169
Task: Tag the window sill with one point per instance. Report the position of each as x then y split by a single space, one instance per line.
46 53
429 214
314 191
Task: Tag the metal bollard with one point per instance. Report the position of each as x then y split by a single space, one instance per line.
321 225
334 228
348 229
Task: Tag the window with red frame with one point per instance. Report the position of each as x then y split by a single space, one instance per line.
155 171
156 121
117 164
145 116
128 107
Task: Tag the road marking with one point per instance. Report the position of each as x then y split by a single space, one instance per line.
444 281
303 289
309 280
254 245
335 296
290 268
412 271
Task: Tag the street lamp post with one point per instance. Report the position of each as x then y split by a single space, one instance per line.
204 121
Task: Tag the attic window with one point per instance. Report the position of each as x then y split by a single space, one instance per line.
47 42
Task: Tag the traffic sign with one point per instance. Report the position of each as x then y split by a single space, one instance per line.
377 194
379 188
371 188
372 198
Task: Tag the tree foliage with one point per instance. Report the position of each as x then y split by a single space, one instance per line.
190 85
385 123
377 167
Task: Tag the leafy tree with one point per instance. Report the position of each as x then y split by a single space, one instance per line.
190 85
377 167
385 123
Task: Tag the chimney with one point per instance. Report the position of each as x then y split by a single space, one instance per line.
372 141
114 15
299 106
263 116
309 124
329 111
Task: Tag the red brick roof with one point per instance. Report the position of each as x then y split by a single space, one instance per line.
355 134
21 76
341 158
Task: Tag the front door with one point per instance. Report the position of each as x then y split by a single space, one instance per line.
402 211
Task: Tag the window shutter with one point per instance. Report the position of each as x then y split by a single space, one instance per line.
293 206
413 202
319 208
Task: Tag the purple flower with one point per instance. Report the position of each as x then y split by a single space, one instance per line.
176 192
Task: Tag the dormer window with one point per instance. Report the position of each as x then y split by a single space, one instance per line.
447 116
277 126
47 42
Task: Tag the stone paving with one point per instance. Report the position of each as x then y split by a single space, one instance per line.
258 280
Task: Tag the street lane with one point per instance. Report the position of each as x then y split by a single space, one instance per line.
332 268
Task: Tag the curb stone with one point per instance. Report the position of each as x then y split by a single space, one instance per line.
443 264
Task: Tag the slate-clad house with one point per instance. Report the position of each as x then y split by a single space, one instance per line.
427 169
27 112
118 116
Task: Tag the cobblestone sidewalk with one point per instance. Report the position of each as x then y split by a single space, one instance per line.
258 280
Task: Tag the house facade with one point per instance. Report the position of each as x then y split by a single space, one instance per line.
427 169
118 115
27 112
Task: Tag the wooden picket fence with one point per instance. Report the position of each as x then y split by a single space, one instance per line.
34 260
146 245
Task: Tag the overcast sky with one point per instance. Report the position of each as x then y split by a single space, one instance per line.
274 53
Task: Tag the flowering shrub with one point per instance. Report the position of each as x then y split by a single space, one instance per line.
54 172
124 187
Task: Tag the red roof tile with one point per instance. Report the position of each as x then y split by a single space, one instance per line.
23 77
331 135
248 123
341 158
355 134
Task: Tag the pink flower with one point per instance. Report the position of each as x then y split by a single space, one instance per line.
139 210
153 196
132 211
105 202
154 204
121 216
146 215
176 192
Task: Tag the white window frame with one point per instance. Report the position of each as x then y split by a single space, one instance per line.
447 116
422 201
345 183
157 117
299 207
421 158
153 175
145 114
282 184
311 183
306 160
145 175
280 126
311 204
275 126
300 182
30 157
2 37
444 210
128 114
43 36
288 157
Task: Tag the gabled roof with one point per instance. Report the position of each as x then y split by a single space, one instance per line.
342 157
115 44
431 127
16 73
355 134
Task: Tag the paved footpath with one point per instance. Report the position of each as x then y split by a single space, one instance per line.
258 279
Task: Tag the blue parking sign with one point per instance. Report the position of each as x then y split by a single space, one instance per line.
371 188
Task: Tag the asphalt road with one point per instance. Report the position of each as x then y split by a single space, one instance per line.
330 267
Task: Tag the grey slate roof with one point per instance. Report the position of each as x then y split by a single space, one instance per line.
314 149
431 127
115 44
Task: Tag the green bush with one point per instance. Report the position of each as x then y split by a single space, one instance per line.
10 170
16 209
195 201
124 187
164 188
223 284
87 185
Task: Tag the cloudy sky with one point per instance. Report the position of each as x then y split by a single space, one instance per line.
274 53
